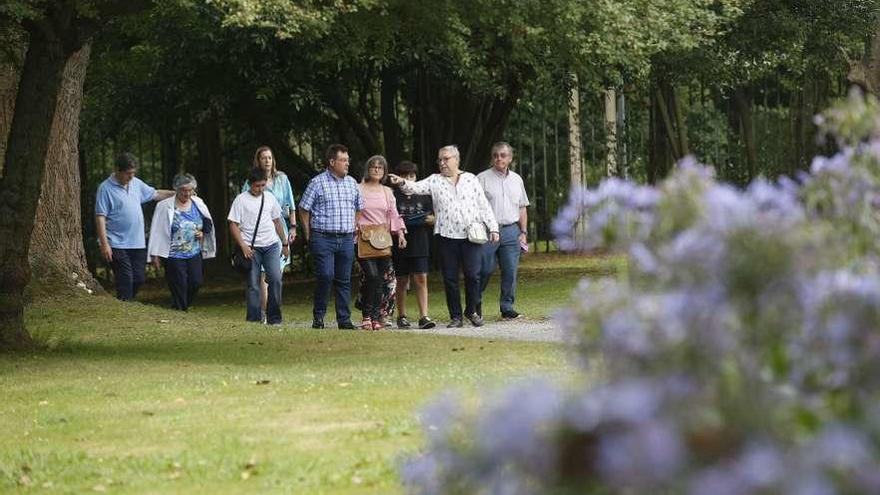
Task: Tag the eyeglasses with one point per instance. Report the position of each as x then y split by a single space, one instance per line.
500 155
444 159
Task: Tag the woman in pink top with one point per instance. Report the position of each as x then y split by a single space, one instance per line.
380 208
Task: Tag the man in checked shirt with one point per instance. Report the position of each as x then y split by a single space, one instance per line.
327 213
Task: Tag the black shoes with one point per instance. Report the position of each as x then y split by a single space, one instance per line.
510 315
317 323
455 323
402 322
426 323
476 320
346 325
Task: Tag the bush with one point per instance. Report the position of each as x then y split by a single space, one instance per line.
740 352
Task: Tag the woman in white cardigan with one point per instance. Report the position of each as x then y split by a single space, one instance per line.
181 235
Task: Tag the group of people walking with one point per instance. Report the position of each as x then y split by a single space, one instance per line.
479 221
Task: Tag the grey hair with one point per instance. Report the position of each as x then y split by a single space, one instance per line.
183 180
502 144
452 148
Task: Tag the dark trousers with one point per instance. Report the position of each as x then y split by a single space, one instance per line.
184 278
129 271
333 255
460 255
374 277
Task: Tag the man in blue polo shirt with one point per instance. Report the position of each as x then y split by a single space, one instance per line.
327 212
120 224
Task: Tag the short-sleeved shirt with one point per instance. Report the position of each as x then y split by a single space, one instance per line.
184 244
332 203
414 208
505 192
244 211
121 207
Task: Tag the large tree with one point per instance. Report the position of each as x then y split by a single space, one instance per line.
56 33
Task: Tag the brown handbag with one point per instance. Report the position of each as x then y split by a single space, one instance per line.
374 241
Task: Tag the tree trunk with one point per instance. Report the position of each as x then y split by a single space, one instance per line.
864 72
623 166
169 150
211 173
391 131
57 254
659 155
743 101
662 100
575 148
684 147
9 75
450 114
611 133
25 161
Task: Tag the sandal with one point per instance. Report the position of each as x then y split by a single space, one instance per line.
366 324
378 325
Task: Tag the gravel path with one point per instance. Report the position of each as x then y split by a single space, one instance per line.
519 329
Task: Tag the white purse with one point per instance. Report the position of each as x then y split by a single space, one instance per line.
477 233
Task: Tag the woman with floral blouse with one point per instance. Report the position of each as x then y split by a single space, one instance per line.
459 202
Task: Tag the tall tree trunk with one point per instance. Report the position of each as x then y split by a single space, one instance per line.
743 101
622 135
671 116
25 161
211 172
451 114
575 148
865 71
169 150
391 130
56 252
680 124
659 153
10 73
611 133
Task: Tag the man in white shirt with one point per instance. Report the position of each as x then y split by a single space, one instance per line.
264 248
506 193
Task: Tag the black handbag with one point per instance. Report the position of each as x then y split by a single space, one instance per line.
239 262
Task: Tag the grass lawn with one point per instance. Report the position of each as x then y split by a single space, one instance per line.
137 398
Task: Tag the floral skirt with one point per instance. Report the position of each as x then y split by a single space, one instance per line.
389 288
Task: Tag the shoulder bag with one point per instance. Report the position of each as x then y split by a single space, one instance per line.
374 241
476 233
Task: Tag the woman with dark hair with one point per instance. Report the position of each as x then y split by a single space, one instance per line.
181 235
380 208
278 184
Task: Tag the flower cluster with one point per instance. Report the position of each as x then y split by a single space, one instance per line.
739 353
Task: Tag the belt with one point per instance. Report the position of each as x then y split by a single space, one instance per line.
332 234
509 225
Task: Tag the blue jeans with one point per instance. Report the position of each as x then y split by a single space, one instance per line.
129 271
460 255
507 253
266 259
333 255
